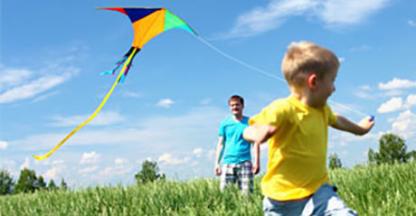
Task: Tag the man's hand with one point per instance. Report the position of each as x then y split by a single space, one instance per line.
256 168
218 170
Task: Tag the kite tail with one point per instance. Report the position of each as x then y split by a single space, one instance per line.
123 77
97 110
113 71
126 71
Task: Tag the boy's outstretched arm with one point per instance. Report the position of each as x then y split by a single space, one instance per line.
361 128
218 155
258 134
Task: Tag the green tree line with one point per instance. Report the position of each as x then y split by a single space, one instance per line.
28 182
392 150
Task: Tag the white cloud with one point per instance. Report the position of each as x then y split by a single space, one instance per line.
335 12
45 96
365 88
104 118
197 152
58 162
211 154
23 87
365 92
343 108
410 101
412 23
53 172
120 161
346 12
9 165
397 83
3 144
168 159
393 93
30 89
142 138
90 158
261 20
405 124
392 105
165 103
25 164
340 138
88 170
121 167
13 76
111 171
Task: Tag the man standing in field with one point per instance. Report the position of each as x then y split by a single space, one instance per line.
234 151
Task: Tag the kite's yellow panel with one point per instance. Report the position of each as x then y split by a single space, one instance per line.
148 28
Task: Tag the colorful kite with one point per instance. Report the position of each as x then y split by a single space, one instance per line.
147 24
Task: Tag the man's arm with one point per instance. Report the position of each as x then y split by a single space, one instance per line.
218 155
259 133
361 128
256 156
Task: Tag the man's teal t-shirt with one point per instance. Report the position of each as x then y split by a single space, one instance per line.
236 149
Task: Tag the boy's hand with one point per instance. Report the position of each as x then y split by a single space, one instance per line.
366 124
361 128
255 169
218 170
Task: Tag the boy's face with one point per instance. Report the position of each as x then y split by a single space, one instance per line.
325 86
236 107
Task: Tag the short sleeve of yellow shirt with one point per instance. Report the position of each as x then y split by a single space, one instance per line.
296 165
274 114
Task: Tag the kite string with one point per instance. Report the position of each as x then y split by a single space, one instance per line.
93 115
265 73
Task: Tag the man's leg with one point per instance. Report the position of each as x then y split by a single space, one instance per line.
228 176
245 177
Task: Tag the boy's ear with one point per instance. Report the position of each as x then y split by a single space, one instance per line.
311 80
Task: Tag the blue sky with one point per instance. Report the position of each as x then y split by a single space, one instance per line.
174 97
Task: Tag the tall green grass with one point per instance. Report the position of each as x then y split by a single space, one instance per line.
379 190
382 190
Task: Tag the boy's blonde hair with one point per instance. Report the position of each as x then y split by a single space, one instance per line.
303 58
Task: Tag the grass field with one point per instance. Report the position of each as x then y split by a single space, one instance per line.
381 190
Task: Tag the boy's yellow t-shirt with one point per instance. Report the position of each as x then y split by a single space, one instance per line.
296 165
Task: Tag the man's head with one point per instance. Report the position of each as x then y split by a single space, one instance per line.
304 58
236 104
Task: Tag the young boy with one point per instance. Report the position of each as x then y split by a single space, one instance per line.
296 180
237 167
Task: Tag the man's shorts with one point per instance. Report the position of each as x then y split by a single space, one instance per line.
240 174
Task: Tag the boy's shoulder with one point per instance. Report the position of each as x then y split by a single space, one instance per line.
280 104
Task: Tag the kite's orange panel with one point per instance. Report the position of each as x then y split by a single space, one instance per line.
148 27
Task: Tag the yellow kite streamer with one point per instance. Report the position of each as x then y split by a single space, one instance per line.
93 115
